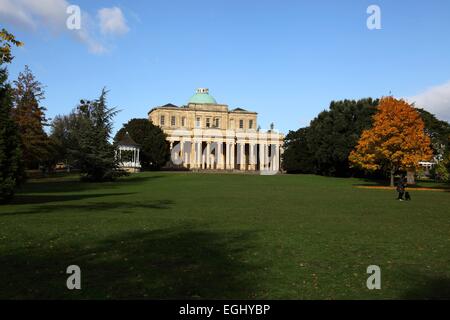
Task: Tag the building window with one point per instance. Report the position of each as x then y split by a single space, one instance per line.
241 124
216 123
197 122
161 120
208 122
173 121
232 123
183 121
250 124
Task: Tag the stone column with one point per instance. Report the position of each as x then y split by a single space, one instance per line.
273 157
262 156
208 155
182 151
252 156
227 155
219 153
232 160
269 159
242 156
192 155
203 158
198 155
186 154
277 154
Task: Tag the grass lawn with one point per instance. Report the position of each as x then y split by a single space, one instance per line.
185 235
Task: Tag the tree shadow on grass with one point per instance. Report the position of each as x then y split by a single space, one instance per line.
40 199
93 207
176 263
365 182
431 288
75 185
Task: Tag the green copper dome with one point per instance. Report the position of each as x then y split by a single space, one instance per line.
202 97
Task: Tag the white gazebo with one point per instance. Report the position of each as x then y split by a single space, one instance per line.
128 154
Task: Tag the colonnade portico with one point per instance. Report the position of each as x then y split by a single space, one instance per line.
206 149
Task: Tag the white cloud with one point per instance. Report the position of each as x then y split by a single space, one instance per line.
435 100
112 21
13 13
51 15
34 14
84 37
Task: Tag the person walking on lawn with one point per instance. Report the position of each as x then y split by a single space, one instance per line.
401 188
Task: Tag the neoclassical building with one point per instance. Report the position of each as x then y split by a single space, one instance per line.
207 135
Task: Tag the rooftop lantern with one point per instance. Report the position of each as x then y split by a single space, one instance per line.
202 96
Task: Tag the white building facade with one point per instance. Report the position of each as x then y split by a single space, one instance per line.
205 135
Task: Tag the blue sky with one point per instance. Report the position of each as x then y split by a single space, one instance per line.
285 60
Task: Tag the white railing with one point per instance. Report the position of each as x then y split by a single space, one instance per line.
130 164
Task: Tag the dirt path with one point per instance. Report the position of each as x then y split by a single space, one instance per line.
408 189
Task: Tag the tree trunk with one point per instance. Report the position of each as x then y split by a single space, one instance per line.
392 177
410 177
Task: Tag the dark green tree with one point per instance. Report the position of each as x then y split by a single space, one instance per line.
323 148
297 157
11 165
438 131
154 147
335 132
62 138
93 153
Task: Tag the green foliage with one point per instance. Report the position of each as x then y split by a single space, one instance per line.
440 172
62 138
11 166
154 151
297 155
439 133
323 148
90 133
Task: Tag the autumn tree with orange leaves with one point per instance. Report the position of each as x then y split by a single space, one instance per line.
396 141
29 115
